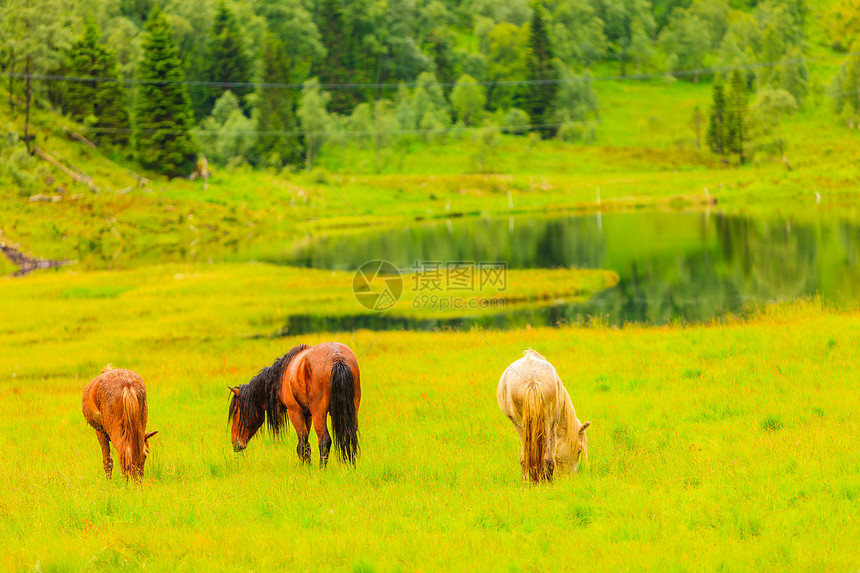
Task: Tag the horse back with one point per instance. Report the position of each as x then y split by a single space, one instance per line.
317 363
102 399
521 376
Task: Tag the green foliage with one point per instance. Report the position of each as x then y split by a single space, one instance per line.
497 43
163 117
314 119
505 62
429 107
227 62
34 36
292 24
771 106
845 91
105 101
619 17
278 141
842 21
686 39
516 121
347 60
227 136
468 100
717 122
736 134
538 96
576 33
792 75
641 51
576 99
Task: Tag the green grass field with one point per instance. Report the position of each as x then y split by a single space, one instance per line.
728 446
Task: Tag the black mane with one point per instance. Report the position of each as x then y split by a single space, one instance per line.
264 388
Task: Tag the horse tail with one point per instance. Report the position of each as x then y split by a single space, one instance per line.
344 418
131 431
534 433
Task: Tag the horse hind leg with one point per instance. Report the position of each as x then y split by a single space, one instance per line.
303 449
104 441
323 437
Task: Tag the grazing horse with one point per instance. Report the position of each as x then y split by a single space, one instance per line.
306 384
114 404
531 394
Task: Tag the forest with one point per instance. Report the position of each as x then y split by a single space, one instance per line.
268 83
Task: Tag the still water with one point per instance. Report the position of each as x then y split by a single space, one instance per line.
673 266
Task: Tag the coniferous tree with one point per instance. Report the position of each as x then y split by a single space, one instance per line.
228 62
538 97
716 134
99 103
736 116
84 59
274 117
341 62
163 115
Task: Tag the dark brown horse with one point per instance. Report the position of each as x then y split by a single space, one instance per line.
114 404
305 385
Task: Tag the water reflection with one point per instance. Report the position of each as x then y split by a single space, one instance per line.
673 266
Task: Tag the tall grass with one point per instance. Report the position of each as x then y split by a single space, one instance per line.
682 472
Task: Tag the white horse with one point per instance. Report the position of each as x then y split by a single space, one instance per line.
531 394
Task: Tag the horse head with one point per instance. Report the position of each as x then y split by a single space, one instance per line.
580 448
133 468
246 415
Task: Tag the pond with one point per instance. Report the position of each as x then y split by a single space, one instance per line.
673 266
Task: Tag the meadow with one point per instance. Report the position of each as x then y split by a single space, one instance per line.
727 445
731 445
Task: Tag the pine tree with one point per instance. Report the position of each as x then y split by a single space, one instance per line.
163 112
538 97
84 59
716 134
736 116
341 63
228 62
101 102
275 110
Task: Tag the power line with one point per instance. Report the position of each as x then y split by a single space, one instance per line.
238 133
359 86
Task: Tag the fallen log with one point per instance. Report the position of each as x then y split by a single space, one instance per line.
79 137
53 198
79 177
27 264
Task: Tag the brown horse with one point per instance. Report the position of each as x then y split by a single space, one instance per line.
114 404
306 384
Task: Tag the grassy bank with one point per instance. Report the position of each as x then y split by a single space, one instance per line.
644 157
731 445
